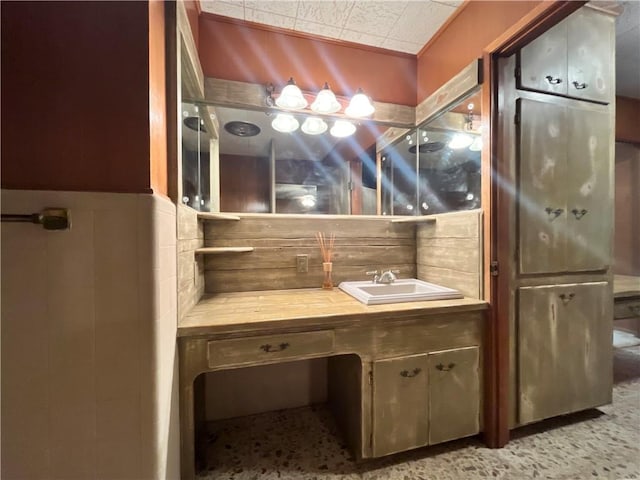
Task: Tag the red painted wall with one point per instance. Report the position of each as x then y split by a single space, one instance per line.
628 119
249 53
75 96
476 25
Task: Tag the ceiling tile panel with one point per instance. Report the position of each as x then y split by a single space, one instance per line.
332 13
279 7
272 19
360 37
374 17
227 9
400 46
318 29
420 21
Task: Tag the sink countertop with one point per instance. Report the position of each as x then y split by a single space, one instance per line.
314 308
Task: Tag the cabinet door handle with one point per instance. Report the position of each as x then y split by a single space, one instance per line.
579 213
409 374
445 368
580 86
270 348
553 213
552 80
567 298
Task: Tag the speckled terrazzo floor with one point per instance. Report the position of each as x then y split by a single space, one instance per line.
305 444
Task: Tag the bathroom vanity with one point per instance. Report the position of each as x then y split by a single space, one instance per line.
400 376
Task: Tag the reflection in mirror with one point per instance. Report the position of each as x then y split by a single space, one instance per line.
262 168
435 168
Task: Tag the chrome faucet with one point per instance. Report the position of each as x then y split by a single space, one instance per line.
386 277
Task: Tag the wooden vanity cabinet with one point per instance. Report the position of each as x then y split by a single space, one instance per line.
565 349
573 58
425 399
564 186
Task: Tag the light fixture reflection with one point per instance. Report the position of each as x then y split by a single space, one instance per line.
476 146
291 97
285 123
342 128
360 105
308 201
314 126
460 140
325 101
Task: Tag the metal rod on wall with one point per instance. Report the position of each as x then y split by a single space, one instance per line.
49 218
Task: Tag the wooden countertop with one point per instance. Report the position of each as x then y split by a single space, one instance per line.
227 313
625 286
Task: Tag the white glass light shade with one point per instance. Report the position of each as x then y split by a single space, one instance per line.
359 106
342 128
314 126
325 101
285 123
460 140
291 97
476 146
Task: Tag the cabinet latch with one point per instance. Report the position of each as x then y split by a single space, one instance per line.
493 268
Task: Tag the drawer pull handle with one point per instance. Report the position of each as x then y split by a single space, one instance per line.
270 348
580 86
410 374
567 298
579 213
445 368
635 309
553 214
553 81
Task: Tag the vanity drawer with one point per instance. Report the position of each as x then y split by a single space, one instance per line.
626 308
268 348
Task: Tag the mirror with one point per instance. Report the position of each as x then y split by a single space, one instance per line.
238 160
435 168
262 170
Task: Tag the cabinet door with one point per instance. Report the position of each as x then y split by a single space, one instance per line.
543 62
454 394
589 191
564 349
542 163
400 418
590 54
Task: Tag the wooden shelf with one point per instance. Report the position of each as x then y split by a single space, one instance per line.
222 250
216 216
421 219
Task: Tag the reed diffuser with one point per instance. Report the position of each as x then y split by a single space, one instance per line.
326 248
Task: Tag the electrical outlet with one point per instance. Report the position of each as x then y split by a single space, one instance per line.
302 263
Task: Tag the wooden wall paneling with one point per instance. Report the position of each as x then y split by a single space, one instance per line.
190 266
360 246
451 92
252 96
448 252
192 76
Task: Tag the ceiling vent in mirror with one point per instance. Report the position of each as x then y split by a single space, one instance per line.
194 123
427 147
242 129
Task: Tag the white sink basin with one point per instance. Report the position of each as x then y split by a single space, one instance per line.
402 290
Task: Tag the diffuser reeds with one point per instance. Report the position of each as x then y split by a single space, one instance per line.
326 249
326 246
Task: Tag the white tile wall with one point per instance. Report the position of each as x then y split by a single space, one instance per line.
88 339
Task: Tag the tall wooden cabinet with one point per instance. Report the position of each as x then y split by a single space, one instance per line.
558 138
